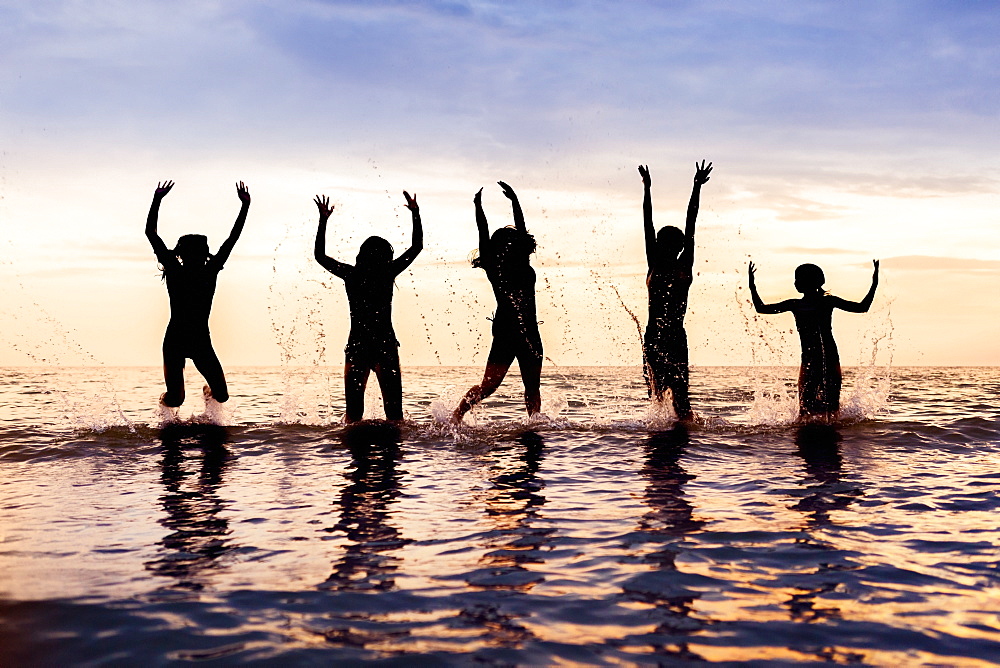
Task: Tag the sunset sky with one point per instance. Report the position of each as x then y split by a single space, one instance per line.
840 132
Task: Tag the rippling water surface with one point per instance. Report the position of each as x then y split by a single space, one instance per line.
599 536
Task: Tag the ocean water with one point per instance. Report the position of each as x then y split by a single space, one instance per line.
267 533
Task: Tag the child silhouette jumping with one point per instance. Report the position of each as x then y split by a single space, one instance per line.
371 344
506 258
191 272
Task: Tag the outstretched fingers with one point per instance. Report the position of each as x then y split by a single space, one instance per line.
411 202
163 188
324 206
644 172
702 172
243 192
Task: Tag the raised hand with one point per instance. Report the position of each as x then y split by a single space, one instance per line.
162 189
242 192
324 206
507 190
411 202
644 171
751 271
478 198
701 174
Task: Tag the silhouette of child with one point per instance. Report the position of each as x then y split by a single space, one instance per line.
506 259
371 344
819 375
670 262
191 272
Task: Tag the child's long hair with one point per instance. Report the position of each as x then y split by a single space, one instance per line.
375 254
192 243
189 244
520 245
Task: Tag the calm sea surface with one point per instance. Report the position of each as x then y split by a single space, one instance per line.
598 536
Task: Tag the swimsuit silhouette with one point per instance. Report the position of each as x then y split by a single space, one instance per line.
819 374
670 262
191 272
371 344
506 259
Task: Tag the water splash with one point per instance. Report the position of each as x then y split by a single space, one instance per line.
775 398
167 415
660 415
55 346
298 323
216 413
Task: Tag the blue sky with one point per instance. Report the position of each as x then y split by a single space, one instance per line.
840 131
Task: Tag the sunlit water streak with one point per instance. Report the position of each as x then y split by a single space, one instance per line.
598 535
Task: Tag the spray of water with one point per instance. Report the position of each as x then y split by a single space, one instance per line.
56 346
298 325
775 392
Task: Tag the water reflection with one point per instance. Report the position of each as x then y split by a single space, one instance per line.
670 512
512 505
819 447
191 505
669 519
368 562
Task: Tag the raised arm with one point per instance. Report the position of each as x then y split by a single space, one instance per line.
866 303
647 217
483 227
701 177
417 245
515 206
160 248
328 263
227 246
760 306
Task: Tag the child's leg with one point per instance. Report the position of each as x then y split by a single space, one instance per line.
173 376
680 378
207 363
819 389
653 363
531 376
679 388
355 382
497 364
391 383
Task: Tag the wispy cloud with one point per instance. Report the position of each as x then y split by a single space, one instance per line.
517 76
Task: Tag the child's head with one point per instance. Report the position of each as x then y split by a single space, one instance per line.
809 278
510 244
669 242
192 249
375 252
